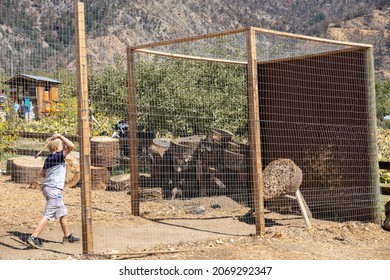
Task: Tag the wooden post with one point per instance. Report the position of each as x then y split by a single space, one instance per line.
254 133
83 128
304 209
370 88
133 144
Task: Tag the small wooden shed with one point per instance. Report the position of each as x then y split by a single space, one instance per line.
42 91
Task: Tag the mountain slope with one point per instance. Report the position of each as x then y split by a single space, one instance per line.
38 33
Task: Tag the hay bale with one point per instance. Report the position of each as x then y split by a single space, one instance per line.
281 177
105 151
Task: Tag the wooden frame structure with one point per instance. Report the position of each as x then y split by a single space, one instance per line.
42 91
253 104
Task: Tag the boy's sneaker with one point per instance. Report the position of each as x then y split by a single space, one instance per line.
70 239
34 242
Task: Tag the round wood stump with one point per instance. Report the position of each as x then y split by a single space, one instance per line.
100 178
10 166
105 151
281 177
119 183
26 169
72 176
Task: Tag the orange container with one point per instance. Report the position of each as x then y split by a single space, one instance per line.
46 96
54 94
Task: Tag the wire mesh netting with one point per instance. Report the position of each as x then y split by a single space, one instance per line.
192 139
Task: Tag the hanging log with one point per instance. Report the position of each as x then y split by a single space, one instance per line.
26 169
105 151
281 177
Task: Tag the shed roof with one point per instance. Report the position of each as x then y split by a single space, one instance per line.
32 78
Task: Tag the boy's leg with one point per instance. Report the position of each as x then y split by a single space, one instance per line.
41 225
64 225
68 238
33 239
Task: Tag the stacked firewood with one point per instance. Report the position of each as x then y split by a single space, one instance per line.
199 165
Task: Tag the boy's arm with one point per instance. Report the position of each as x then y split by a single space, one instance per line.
69 144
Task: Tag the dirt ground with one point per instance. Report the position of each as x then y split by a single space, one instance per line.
209 228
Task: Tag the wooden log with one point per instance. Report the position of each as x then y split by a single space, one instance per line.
100 178
9 166
26 169
233 161
149 194
72 176
119 183
385 188
105 151
281 177
222 136
386 223
160 163
233 147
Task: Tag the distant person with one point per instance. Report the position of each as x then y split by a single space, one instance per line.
27 107
54 171
16 108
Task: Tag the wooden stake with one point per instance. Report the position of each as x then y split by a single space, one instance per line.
254 134
303 206
133 143
84 130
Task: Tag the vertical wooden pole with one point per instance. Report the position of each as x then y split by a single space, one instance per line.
133 143
254 133
83 128
371 97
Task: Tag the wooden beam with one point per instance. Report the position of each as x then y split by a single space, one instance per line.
83 127
308 38
372 130
190 39
254 134
133 143
308 56
189 57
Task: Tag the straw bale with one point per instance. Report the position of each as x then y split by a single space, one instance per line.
281 177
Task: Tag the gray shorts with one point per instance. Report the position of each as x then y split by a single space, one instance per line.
55 207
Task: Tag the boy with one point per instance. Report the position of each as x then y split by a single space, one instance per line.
54 172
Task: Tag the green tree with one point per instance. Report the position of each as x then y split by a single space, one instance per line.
382 99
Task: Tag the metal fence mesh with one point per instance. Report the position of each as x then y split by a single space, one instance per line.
315 108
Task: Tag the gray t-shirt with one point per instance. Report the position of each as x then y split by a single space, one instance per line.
55 169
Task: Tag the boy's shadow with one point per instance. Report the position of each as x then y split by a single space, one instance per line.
24 236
